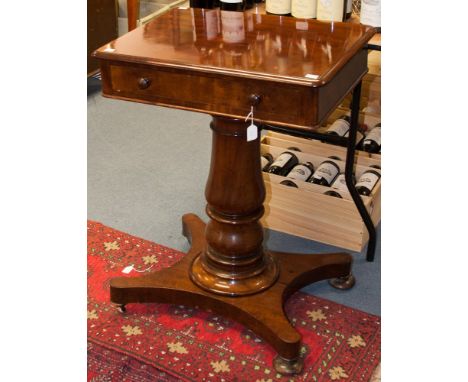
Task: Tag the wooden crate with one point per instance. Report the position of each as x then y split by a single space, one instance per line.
306 211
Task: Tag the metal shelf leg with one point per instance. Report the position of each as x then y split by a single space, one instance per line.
349 173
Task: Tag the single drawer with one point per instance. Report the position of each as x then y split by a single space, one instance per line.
230 96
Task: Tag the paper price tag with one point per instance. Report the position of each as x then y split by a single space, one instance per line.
252 132
127 269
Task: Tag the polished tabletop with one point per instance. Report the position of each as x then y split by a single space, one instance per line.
276 48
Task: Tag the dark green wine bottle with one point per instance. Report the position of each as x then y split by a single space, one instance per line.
372 141
300 172
367 182
333 193
289 183
340 126
207 4
340 182
283 163
325 173
231 5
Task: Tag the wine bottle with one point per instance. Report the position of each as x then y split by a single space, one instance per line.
340 126
325 174
207 4
248 4
231 5
294 148
304 9
367 182
266 161
333 193
278 7
348 9
370 13
301 171
283 164
289 183
330 10
372 141
340 182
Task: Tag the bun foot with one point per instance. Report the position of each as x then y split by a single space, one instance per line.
288 366
343 283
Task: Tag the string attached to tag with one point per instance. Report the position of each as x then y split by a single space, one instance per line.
252 129
131 267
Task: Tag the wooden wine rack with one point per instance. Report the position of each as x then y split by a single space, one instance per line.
306 211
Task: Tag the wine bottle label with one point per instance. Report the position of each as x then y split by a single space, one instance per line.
330 10
211 17
368 180
370 12
340 183
300 172
374 135
340 127
326 171
349 6
282 160
305 9
233 26
264 162
278 7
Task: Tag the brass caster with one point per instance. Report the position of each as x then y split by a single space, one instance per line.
288 366
121 308
343 283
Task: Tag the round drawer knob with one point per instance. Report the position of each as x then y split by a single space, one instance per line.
255 99
144 83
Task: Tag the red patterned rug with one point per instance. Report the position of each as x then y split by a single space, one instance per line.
161 342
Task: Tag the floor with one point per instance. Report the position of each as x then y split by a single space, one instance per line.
147 166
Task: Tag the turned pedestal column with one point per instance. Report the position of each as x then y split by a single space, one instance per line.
234 262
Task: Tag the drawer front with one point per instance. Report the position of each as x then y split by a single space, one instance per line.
285 104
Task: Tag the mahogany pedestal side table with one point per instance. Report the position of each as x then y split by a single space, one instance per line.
291 73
